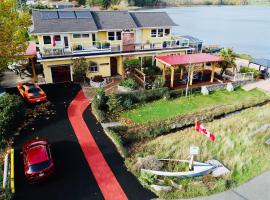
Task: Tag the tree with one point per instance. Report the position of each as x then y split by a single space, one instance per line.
13 27
114 103
79 69
229 60
132 63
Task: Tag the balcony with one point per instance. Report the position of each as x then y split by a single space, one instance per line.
103 47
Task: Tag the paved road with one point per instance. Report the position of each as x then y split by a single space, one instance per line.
74 179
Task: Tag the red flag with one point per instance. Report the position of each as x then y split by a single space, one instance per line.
200 128
54 41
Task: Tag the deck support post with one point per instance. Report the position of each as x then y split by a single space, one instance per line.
181 72
191 75
164 72
34 69
213 65
203 67
172 76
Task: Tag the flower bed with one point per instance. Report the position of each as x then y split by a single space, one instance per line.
98 81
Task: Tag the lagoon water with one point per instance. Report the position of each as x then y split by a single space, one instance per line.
244 28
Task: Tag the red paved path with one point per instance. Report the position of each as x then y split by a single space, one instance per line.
105 178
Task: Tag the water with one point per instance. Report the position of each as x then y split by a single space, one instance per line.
246 29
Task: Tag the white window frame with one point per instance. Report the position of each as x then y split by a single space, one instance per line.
114 35
96 66
44 40
157 32
76 34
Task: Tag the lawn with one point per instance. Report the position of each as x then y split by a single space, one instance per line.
240 145
164 109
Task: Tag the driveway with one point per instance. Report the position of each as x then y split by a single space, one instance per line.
74 180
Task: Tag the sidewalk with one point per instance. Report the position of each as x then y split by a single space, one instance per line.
263 85
255 189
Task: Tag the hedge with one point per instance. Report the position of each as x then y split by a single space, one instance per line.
12 114
99 114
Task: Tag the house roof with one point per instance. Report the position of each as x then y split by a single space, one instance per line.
83 20
152 19
54 21
262 62
113 20
189 59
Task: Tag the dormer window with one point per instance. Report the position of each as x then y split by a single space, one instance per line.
154 33
160 32
167 31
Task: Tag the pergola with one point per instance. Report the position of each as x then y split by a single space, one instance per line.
190 61
31 53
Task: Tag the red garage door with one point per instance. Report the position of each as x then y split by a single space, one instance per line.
61 73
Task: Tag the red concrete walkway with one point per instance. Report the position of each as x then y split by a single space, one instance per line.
105 178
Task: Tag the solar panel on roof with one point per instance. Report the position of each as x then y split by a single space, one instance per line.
49 15
66 14
83 14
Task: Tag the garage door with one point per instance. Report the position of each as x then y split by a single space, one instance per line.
61 73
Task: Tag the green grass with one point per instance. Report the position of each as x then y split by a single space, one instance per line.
239 146
163 109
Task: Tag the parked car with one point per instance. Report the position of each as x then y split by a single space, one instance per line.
31 92
38 161
2 91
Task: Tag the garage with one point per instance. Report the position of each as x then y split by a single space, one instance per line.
61 73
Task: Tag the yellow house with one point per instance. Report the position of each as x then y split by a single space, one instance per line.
104 38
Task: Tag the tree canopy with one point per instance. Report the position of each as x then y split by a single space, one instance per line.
13 27
229 60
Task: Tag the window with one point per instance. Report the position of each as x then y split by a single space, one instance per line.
111 35
118 35
160 32
114 35
154 33
167 31
57 38
93 67
77 35
85 35
47 39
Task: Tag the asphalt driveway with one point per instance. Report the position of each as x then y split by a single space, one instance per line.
74 179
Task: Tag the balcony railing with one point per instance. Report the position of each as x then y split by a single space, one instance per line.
108 46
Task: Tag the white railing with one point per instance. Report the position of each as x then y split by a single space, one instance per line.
243 76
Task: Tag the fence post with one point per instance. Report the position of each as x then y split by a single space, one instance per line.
5 171
12 185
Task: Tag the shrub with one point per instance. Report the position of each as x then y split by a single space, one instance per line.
99 114
128 103
159 82
12 114
152 70
257 73
129 83
100 99
79 68
132 63
98 78
114 103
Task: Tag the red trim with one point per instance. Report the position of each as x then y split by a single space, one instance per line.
105 178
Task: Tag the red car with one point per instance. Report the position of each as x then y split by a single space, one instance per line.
31 92
38 161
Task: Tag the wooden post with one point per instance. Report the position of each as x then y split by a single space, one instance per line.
203 67
191 75
213 72
181 72
164 72
34 70
172 76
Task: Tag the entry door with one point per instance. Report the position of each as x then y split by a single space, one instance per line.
66 42
113 62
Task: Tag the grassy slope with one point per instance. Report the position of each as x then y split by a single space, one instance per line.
163 109
236 146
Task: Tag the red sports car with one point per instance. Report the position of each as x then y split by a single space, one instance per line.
38 161
31 92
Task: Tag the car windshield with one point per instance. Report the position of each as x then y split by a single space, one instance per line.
39 166
34 90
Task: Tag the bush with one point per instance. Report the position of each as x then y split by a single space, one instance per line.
159 82
129 83
128 103
114 103
99 114
153 70
98 78
257 73
12 114
100 99
132 63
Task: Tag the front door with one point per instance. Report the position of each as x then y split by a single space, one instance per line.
66 43
113 62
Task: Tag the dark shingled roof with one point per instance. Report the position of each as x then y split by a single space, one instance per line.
262 61
114 20
72 20
44 24
152 19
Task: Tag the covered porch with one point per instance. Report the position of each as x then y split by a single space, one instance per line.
189 69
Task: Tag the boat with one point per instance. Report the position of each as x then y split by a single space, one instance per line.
199 169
